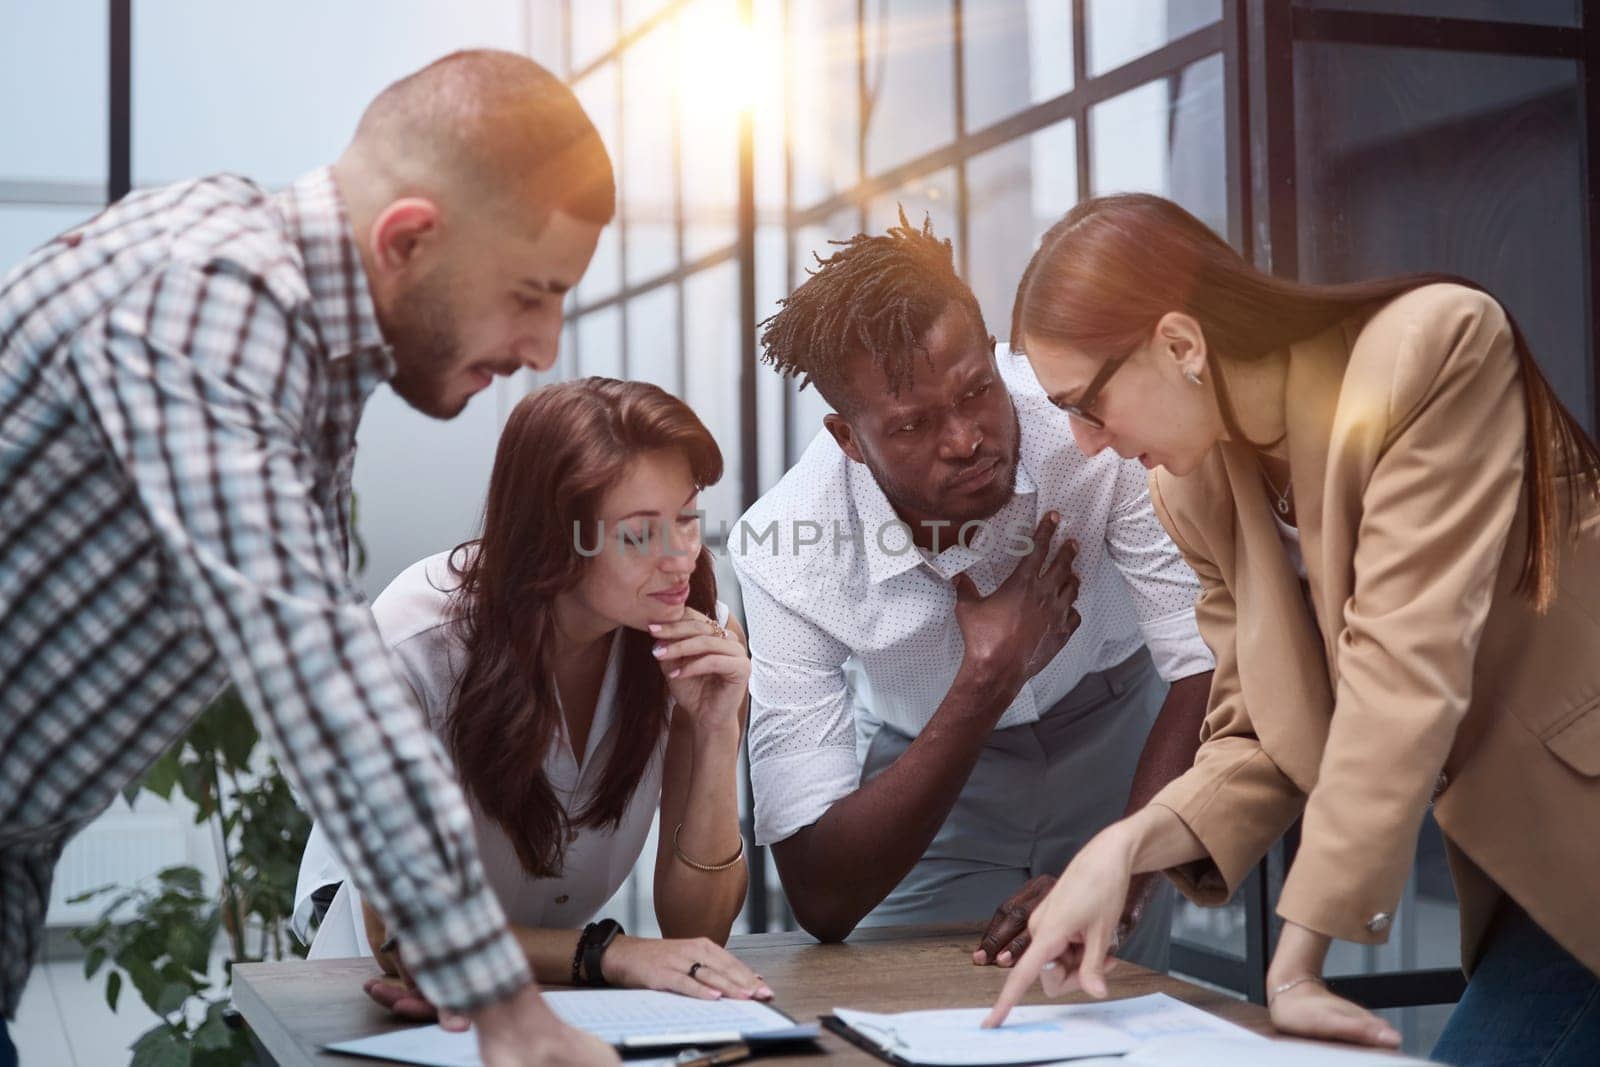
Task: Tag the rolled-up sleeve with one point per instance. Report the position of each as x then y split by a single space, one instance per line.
201 385
1163 587
802 719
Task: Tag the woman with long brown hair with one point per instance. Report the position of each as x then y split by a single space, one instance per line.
582 675
1394 522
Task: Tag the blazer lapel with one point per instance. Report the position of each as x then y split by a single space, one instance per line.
1311 402
1286 654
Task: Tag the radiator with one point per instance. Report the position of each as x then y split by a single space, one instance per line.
121 847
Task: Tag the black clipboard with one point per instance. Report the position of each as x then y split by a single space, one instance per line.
839 1028
796 1037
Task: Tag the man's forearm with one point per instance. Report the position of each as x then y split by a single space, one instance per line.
843 865
1173 740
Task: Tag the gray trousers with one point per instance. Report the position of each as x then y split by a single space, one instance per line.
1036 796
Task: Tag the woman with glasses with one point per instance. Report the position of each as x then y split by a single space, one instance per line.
1397 531
576 665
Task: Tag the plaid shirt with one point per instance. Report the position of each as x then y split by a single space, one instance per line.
180 383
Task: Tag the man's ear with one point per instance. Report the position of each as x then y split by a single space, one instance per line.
404 234
844 435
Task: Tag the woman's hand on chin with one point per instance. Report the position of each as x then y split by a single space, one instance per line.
707 669
696 967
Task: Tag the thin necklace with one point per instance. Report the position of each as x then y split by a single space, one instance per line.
1282 501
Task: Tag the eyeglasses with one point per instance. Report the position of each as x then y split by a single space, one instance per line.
1083 407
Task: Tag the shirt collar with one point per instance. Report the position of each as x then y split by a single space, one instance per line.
347 319
886 540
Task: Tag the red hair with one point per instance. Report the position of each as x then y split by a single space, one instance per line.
1105 274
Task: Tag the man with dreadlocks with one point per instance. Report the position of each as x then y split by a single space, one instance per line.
925 740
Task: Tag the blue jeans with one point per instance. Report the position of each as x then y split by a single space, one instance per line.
1529 1003
8 1051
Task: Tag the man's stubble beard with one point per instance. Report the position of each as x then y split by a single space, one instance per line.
426 350
903 499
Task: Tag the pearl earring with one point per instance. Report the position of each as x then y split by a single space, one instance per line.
1192 377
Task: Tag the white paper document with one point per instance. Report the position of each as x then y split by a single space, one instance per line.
639 1017
1038 1033
1229 1052
627 1018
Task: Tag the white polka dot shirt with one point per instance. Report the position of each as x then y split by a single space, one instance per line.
832 589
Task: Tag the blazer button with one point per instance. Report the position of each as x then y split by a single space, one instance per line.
1380 922
562 899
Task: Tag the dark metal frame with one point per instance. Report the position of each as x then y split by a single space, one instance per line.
1270 31
1257 41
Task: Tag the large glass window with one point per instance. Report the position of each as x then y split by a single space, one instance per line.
1017 191
594 30
1015 53
1555 12
932 196
824 97
53 126
910 80
598 94
648 169
600 343
1121 31
712 348
202 102
711 95
1431 160
653 338
1166 137
25 227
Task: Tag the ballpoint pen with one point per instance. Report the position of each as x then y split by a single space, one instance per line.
713 1057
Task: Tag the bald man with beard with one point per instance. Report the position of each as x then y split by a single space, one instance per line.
181 378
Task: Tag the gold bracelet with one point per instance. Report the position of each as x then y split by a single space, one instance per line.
713 867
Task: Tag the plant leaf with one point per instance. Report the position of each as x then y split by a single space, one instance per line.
234 730
182 877
171 997
213 1034
113 989
162 777
93 961
161 1046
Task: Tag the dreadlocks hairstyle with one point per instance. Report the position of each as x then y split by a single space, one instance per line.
877 296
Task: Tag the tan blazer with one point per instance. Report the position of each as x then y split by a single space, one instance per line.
1416 675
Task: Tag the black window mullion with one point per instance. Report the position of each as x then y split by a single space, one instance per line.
1432 32
1080 78
1589 108
1236 126
680 332
119 172
963 206
864 110
627 216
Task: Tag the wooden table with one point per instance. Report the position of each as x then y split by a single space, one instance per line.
295 1008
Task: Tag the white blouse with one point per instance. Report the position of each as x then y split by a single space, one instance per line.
413 617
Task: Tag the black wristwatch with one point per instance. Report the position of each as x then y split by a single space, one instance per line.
597 937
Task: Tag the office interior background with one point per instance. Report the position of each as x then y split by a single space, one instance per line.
1329 140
